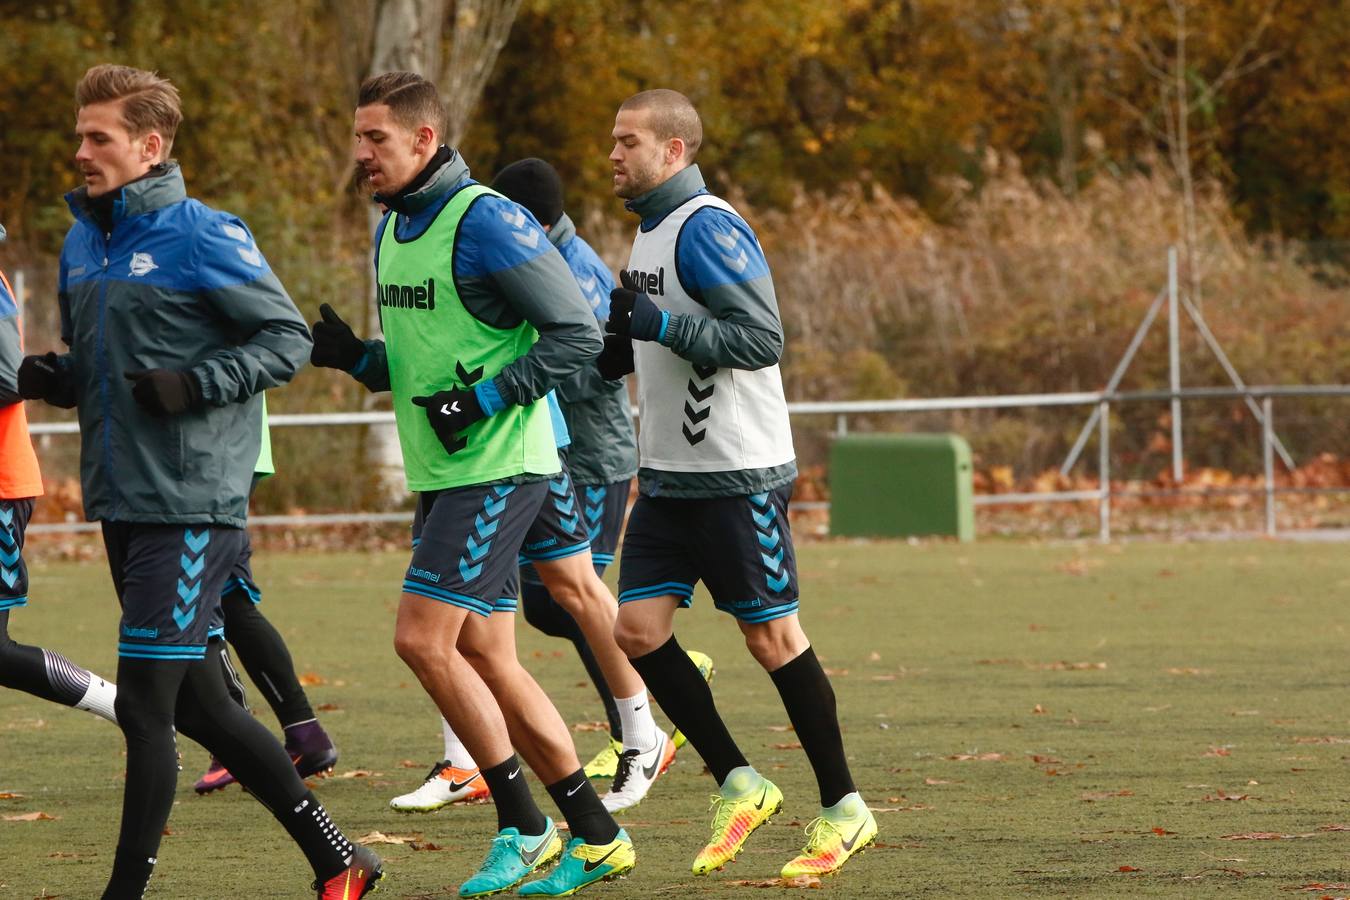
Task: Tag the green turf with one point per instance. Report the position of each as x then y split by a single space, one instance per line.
1125 691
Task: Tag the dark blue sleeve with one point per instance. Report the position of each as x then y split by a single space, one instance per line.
720 264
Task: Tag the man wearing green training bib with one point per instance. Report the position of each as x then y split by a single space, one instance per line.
481 319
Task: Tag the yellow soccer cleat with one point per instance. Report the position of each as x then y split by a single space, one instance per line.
705 668
736 816
834 836
605 764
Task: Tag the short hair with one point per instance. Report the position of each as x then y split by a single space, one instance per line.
672 115
149 102
411 99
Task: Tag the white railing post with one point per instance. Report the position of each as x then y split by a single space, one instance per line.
1104 470
1174 363
840 425
1268 459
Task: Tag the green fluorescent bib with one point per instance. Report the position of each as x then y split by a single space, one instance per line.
264 465
433 343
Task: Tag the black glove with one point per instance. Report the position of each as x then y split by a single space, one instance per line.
41 377
336 346
449 413
633 314
616 360
164 392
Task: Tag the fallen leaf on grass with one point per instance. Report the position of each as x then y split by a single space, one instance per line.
1038 710
801 881
1092 796
836 673
1333 827
409 764
591 726
1220 794
937 781
793 745
1077 566
978 757
1162 831
883 677
1188 670
874 656
359 773
379 837
309 679
328 707
32 817
1063 666
1045 760
10 795
1321 740
424 845
1217 751
1127 869
917 807
1263 836
780 728
1322 886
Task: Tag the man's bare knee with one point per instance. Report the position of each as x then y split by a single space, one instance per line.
637 638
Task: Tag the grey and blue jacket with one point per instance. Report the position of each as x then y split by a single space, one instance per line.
743 332
501 281
598 412
154 279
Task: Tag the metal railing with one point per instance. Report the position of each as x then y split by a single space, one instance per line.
1099 401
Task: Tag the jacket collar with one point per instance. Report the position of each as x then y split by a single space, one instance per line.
160 187
657 203
440 177
562 231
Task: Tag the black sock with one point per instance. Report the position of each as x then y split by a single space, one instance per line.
253 755
673 679
39 672
515 807
265 658
809 700
586 816
130 874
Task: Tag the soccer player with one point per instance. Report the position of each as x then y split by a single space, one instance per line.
267 660
601 459
698 318
35 670
481 318
175 324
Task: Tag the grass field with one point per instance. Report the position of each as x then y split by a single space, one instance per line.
1028 720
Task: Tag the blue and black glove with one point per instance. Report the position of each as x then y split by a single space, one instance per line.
336 346
452 412
633 314
164 392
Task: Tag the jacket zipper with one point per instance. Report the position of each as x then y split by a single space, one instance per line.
105 389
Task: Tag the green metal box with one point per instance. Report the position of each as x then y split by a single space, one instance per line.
898 485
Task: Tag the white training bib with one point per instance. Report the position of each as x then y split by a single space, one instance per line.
694 418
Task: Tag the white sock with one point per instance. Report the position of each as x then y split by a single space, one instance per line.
99 697
454 748
639 728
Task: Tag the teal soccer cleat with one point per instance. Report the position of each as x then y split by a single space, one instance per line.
585 864
512 857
